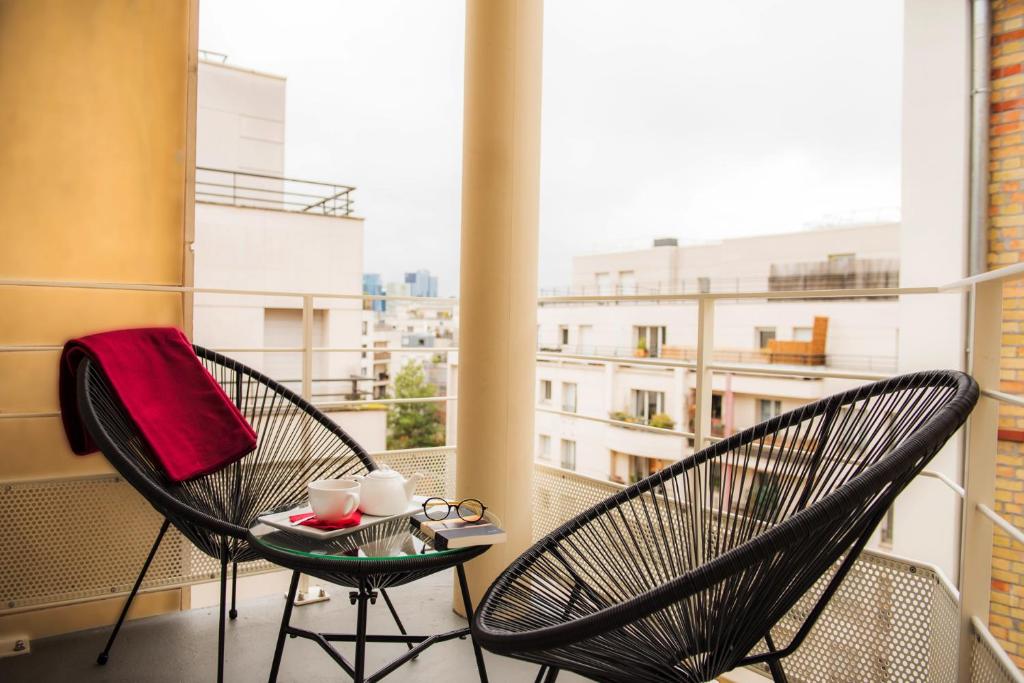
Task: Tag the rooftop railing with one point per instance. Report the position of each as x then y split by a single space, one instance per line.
970 650
277 193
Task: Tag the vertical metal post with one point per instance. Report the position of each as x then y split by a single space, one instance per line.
307 347
979 467
705 348
308 593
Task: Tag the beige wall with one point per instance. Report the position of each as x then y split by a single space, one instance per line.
95 145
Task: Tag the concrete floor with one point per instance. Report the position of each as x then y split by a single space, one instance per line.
182 647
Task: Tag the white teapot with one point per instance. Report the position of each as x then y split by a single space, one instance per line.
385 492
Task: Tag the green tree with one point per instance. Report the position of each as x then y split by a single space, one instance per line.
414 425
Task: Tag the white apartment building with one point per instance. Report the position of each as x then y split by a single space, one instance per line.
257 230
415 325
589 352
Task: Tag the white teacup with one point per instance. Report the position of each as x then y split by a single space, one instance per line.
332 499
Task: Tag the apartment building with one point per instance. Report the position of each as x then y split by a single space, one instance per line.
255 229
610 403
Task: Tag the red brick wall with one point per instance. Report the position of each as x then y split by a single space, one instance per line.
1006 245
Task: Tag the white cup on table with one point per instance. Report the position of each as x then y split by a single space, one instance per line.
332 499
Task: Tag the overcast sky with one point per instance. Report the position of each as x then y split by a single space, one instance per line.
684 118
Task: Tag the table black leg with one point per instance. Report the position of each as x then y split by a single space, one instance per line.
468 605
223 600
394 613
362 598
285 620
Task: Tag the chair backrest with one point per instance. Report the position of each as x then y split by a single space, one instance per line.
708 555
296 443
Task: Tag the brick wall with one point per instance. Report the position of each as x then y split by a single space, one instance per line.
1006 245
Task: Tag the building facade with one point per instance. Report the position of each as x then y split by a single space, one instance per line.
256 230
605 411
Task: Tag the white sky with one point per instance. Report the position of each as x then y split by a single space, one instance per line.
681 118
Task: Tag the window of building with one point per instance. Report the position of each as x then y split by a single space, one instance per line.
568 461
768 408
650 339
841 262
603 282
627 282
716 406
763 335
282 327
647 404
544 447
763 498
803 333
585 339
363 354
569 397
545 391
563 335
365 327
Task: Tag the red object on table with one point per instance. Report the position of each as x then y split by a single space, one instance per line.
351 519
183 415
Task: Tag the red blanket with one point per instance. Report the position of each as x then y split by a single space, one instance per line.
190 425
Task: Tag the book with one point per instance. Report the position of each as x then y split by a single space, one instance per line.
429 528
470 534
419 519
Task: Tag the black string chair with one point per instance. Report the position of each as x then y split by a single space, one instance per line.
297 444
687 573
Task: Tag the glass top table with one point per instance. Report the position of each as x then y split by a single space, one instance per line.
393 540
387 554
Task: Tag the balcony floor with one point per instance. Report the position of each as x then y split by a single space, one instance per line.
183 646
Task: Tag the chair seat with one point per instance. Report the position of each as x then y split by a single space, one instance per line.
683 575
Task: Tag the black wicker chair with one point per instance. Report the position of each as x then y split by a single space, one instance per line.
691 572
297 444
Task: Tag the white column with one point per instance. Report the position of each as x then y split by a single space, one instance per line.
498 291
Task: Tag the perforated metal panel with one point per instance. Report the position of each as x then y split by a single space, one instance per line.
78 539
437 465
989 665
891 620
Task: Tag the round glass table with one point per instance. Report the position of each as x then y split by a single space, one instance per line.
384 555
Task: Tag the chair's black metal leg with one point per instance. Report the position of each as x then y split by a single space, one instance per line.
223 600
540 674
105 655
394 613
468 605
285 620
233 613
552 675
775 665
362 598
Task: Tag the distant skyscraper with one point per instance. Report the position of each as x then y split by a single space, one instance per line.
372 285
421 283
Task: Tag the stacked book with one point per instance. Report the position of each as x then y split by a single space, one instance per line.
454 532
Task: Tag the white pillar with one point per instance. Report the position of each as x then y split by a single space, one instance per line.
498 291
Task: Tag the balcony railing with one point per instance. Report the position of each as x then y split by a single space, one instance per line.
868 362
277 193
940 631
810 276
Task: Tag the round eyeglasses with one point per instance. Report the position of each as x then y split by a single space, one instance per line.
469 510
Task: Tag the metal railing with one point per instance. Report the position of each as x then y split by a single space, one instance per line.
984 293
263 191
874 363
800 277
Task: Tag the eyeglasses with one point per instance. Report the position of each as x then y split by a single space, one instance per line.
469 510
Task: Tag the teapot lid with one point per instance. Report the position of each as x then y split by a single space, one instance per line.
384 472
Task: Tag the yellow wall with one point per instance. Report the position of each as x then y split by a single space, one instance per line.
96 143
